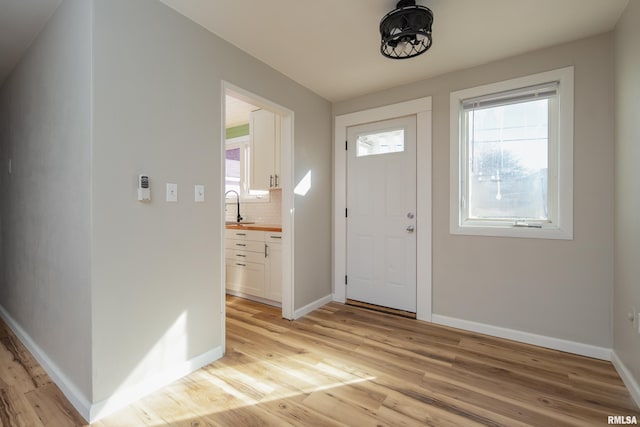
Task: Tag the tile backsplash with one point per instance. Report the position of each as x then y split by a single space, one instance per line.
262 213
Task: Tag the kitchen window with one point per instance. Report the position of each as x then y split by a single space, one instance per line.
237 157
512 158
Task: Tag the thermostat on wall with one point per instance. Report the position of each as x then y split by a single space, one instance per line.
144 192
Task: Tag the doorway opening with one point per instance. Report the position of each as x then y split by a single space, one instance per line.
256 172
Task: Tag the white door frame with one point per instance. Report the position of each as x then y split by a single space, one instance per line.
421 108
286 179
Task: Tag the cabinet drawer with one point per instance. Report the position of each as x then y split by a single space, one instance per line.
272 237
245 256
244 234
246 277
245 245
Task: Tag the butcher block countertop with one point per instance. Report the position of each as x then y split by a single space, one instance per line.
258 227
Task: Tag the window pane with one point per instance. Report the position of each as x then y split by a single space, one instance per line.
232 164
508 161
380 143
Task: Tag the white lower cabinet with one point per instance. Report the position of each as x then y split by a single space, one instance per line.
273 266
245 277
254 263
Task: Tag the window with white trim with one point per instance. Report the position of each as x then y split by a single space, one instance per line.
237 157
512 157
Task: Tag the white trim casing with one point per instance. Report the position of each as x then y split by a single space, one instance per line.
563 228
287 170
288 215
421 108
424 218
588 350
627 377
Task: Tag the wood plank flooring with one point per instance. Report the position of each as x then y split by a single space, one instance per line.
345 366
28 398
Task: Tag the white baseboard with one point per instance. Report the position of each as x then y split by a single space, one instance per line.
68 388
122 398
131 394
627 377
339 298
312 306
525 337
254 298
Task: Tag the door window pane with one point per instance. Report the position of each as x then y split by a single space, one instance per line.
380 143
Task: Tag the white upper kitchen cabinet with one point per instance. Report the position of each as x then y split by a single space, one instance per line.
264 132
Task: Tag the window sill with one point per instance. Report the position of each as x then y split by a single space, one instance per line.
553 233
264 199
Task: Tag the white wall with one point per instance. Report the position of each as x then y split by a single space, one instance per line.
156 267
45 204
626 342
558 289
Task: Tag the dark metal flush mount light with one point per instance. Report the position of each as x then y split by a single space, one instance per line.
406 31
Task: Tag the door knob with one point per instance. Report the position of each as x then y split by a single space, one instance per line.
410 229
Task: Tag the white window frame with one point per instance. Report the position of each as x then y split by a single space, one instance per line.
560 196
243 142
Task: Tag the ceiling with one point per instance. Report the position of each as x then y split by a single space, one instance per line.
20 22
332 46
237 111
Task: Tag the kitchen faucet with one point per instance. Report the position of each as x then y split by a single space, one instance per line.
239 218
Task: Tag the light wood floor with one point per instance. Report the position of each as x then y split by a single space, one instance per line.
340 366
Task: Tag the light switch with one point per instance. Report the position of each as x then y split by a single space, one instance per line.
199 189
172 192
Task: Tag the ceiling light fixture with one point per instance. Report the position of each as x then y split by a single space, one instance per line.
406 30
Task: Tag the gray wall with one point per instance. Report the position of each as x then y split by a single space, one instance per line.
45 128
555 288
626 342
156 267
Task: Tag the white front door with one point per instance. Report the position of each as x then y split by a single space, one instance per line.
381 213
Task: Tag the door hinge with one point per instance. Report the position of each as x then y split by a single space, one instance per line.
345 279
346 213
346 145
